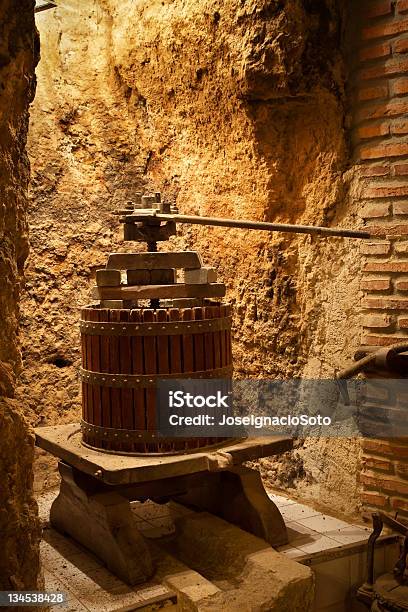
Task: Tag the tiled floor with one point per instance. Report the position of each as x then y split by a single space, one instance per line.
88 585
312 532
336 552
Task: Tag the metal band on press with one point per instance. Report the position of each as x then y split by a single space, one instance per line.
144 381
171 328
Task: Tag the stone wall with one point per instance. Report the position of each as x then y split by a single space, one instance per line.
19 531
219 105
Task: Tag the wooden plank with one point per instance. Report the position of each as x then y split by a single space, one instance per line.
105 391
187 260
228 339
176 365
224 360
163 355
187 353
108 278
139 406
150 367
217 338
64 441
126 368
114 363
141 292
85 407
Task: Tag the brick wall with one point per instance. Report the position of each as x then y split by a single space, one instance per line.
380 138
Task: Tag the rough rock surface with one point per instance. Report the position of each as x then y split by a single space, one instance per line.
19 561
230 108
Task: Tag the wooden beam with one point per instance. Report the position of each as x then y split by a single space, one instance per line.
186 260
149 292
44 7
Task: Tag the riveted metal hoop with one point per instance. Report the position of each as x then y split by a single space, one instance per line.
108 434
143 381
172 328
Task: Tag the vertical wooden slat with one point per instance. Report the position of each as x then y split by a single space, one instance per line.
150 367
176 365
228 340
85 415
139 408
223 341
198 341
199 359
89 366
114 365
126 368
163 356
105 391
187 351
217 338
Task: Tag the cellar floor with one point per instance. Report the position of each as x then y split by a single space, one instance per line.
334 549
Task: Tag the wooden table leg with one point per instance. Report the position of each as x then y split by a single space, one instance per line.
102 521
238 496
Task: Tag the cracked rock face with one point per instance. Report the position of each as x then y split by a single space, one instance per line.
19 561
230 108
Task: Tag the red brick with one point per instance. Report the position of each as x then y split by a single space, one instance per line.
388 191
388 231
377 170
375 499
399 127
401 247
387 29
394 108
379 9
372 340
385 303
376 210
375 463
375 248
378 151
373 93
373 131
401 169
377 321
400 208
386 266
375 52
400 504
401 45
375 481
385 447
402 285
402 6
399 66
402 469
375 284
400 86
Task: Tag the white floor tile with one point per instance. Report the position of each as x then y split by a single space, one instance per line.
349 535
318 544
296 512
290 551
323 523
281 501
299 533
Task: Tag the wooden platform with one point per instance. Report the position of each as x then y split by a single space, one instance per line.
93 505
64 442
